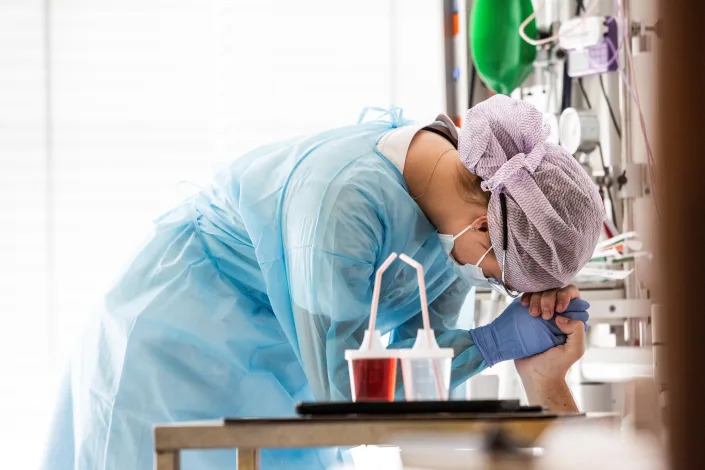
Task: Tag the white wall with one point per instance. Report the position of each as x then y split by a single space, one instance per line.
23 254
144 94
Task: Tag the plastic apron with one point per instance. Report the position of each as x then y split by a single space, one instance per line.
244 299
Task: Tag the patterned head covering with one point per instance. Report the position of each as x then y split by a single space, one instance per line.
554 211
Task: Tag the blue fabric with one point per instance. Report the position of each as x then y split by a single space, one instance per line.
516 334
244 299
59 447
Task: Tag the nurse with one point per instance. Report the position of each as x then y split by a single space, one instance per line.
246 296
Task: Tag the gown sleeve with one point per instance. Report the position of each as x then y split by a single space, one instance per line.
330 262
331 258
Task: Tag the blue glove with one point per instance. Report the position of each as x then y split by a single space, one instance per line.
516 334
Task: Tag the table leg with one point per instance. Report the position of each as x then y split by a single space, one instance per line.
247 459
167 460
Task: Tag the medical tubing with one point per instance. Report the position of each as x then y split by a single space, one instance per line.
375 295
584 93
424 313
609 106
540 42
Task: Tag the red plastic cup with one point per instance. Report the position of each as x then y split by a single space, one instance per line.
373 379
373 371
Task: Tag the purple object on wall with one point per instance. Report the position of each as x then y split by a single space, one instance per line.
600 58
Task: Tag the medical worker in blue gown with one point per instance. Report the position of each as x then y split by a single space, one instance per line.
247 294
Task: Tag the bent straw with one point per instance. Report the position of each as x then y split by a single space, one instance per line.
422 292
424 314
375 295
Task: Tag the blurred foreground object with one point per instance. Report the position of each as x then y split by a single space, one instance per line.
681 100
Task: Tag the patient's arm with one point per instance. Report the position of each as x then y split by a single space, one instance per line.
554 395
543 375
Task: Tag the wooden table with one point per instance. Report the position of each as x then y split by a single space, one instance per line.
248 436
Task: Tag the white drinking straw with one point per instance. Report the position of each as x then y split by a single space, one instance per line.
424 314
422 291
375 295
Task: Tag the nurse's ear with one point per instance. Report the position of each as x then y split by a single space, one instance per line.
480 224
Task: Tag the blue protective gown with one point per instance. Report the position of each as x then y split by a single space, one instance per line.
246 297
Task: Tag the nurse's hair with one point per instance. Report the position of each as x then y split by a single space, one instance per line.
468 186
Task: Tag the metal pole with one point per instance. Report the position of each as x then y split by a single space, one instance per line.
630 284
449 48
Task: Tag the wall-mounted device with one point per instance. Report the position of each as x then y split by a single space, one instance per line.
590 44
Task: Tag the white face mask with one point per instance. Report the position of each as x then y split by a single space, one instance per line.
472 273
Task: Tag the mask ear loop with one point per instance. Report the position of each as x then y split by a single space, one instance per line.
483 257
469 227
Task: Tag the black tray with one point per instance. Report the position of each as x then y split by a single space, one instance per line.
412 407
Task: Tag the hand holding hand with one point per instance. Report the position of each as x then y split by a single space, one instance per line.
554 363
549 302
543 375
516 334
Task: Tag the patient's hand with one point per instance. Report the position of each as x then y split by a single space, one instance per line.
543 375
549 302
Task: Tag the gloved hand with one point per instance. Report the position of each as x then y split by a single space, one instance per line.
516 334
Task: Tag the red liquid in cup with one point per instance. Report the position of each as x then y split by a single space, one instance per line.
374 379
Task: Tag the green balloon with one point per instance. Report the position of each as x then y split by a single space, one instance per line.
502 58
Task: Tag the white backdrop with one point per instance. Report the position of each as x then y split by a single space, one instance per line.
106 105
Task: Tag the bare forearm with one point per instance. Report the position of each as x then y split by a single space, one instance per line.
553 394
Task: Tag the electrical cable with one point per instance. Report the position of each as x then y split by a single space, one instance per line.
609 191
602 157
471 92
566 99
553 38
584 93
609 106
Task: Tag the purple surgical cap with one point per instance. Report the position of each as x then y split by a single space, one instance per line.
554 211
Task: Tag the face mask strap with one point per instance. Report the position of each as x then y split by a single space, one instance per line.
483 257
469 227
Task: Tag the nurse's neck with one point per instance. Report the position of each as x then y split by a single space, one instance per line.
431 173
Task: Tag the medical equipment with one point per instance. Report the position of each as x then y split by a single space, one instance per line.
590 39
502 59
590 44
579 130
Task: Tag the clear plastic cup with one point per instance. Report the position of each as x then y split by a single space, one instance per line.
426 369
373 371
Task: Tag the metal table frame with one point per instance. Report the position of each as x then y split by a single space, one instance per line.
248 436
